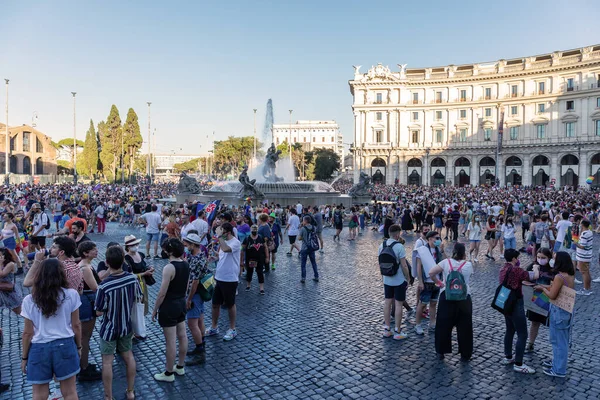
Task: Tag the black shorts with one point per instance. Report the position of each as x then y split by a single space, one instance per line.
397 293
292 239
339 226
535 317
38 240
172 312
224 293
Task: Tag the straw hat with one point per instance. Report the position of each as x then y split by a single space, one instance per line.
131 240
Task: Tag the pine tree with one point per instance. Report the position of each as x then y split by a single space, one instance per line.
111 142
100 135
132 139
89 162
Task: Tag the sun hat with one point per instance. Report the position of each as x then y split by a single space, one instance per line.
192 238
131 240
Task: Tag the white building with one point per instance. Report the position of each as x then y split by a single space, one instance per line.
440 125
164 163
312 135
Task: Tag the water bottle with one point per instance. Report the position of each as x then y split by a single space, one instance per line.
31 256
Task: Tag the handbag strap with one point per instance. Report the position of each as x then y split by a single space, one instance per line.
506 276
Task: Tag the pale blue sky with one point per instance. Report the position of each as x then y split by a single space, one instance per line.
206 65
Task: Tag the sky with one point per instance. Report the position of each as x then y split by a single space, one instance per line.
206 65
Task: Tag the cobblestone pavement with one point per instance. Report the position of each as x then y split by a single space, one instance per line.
323 340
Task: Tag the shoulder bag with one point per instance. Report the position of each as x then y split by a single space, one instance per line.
505 298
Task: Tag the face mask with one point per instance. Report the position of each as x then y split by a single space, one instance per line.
134 249
542 261
437 242
476 219
493 220
551 263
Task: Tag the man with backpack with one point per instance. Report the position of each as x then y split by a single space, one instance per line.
394 269
338 222
310 243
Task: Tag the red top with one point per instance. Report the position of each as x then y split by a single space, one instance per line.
515 277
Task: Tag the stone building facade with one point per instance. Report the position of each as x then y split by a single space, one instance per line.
312 135
440 125
31 152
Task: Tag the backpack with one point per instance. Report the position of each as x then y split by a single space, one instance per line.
456 287
47 220
337 218
312 240
388 263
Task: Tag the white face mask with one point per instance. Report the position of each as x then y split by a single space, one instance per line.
542 261
552 263
134 249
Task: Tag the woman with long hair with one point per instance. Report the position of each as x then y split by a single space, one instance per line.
560 320
52 332
474 231
10 236
10 296
543 261
490 236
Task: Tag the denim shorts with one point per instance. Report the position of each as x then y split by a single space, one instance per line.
86 311
10 243
197 309
57 358
429 293
153 237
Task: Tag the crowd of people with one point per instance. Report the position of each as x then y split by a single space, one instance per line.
209 251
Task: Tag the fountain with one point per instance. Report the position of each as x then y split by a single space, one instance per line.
273 181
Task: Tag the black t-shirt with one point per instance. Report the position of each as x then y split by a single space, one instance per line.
254 248
137 209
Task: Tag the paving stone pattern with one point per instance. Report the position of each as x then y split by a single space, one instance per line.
323 341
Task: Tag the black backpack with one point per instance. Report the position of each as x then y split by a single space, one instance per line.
337 217
388 263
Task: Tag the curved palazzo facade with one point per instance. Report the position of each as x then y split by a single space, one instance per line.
440 125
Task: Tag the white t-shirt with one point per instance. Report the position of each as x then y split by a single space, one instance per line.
474 231
508 231
496 210
562 226
99 211
467 271
57 326
299 208
40 219
228 266
152 222
202 227
294 223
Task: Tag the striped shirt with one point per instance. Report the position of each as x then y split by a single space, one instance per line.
115 298
586 239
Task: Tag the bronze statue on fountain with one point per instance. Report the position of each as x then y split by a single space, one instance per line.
188 185
271 159
248 186
363 186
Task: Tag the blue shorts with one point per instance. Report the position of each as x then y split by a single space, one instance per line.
86 311
197 309
57 218
10 243
429 293
57 358
153 237
557 246
474 240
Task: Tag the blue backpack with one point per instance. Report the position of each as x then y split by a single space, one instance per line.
456 287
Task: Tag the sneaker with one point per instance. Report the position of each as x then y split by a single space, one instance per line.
247 288
273 267
508 361
289 254
387 332
524 369
55 395
321 251
196 358
577 281
230 335
157 257
550 372
547 364
399 335
179 371
597 280
262 292
419 330
211 331
316 279
195 350
529 348
163 377
302 280
89 374
584 292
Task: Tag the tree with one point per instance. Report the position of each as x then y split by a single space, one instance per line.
100 134
111 142
132 139
88 166
231 154
194 165
68 142
326 163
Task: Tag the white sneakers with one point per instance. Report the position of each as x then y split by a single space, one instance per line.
523 369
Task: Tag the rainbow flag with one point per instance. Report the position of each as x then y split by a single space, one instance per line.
541 300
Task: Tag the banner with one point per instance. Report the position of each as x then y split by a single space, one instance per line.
199 207
211 210
565 299
535 301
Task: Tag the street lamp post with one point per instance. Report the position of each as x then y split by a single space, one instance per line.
254 155
427 175
74 142
290 143
149 161
7 148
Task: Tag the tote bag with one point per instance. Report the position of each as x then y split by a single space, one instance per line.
505 297
138 322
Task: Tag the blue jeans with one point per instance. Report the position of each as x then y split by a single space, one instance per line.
310 254
361 220
557 246
560 328
516 323
510 243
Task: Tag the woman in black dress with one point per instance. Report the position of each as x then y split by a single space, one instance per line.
407 220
